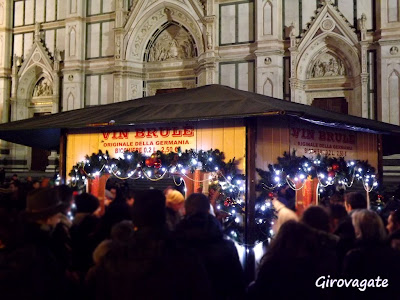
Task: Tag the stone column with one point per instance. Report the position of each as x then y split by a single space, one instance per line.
5 68
75 51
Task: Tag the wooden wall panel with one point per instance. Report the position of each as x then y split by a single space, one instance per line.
272 141
367 148
228 136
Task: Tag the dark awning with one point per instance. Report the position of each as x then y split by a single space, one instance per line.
202 103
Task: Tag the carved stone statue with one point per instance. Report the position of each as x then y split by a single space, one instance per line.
172 44
363 22
43 89
328 65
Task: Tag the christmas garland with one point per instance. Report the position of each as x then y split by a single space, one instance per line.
294 170
224 178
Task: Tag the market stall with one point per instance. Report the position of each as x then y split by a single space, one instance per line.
214 135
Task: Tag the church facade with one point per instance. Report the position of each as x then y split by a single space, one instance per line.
59 55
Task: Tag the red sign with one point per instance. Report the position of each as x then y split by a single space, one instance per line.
313 140
148 140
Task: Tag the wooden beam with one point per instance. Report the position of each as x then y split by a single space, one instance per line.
63 157
250 225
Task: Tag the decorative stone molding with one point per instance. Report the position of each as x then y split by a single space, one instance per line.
43 88
141 33
172 44
394 50
328 65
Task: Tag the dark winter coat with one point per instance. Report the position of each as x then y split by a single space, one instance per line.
371 259
347 238
172 218
83 241
63 242
203 234
31 269
292 274
150 266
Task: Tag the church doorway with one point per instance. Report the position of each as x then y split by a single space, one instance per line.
40 156
338 104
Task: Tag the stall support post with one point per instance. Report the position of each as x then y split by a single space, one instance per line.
380 159
250 225
63 157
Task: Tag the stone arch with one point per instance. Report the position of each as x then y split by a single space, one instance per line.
174 37
30 78
138 37
328 43
70 101
268 89
268 18
394 97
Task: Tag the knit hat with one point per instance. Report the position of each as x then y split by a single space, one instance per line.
42 204
174 197
86 203
149 209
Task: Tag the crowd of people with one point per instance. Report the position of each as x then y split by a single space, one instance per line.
158 245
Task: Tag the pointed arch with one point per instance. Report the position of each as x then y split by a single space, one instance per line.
268 18
394 97
328 43
138 36
268 88
171 41
70 101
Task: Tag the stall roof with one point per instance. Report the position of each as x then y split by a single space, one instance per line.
202 103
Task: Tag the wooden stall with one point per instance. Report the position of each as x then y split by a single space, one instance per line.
254 129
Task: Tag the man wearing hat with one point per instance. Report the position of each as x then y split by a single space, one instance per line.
34 270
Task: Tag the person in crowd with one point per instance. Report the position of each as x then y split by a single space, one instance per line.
345 230
14 178
174 206
284 214
130 198
32 270
316 217
336 198
61 233
35 184
355 201
337 214
287 196
83 232
121 233
117 211
201 232
393 227
372 256
150 265
110 196
99 253
291 266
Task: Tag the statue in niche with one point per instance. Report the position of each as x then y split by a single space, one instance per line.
43 89
172 44
328 65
